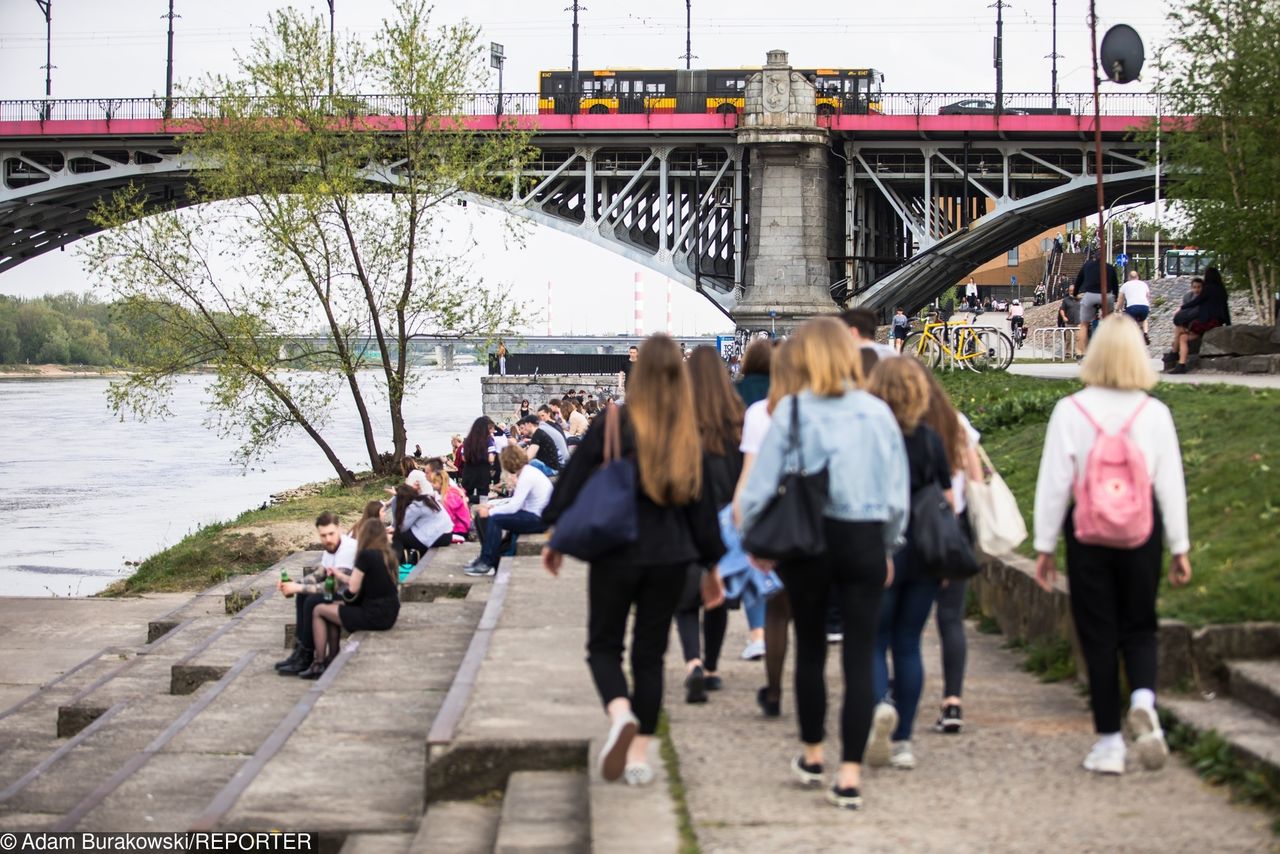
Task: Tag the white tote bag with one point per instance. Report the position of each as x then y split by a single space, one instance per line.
993 512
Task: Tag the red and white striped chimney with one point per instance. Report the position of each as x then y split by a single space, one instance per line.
639 304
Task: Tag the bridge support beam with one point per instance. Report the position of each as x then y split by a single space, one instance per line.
787 274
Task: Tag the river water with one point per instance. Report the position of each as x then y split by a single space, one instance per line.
82 492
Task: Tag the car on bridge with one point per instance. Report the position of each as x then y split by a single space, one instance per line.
977 107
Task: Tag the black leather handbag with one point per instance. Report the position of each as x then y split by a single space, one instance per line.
790 526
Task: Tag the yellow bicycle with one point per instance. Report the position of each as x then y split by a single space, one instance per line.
978 348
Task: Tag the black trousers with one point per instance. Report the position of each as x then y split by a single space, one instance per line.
475 482
950 618
852 571
305 603
612 590
714 623
1113 604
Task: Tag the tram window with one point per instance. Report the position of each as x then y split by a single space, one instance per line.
656 88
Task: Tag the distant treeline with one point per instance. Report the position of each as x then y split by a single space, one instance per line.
66 329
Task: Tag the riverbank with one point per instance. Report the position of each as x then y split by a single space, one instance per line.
54 372
252 541
1231 455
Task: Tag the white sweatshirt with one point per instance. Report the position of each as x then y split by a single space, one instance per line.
1066 450
532 494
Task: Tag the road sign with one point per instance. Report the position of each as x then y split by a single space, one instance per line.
496 55
1013 280
1122 260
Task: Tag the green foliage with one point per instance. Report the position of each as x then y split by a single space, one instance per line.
1231 455
675 786
66 329
1222 72
295 255
1052 661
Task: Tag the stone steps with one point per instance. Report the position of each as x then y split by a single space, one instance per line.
457 827
157 760
1256 684
545 811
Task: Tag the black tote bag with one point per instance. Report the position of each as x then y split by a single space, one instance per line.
603 515
938 542
790 526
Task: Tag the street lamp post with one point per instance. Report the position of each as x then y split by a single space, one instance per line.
998 55
168 70
331 48
46 6
496 58
574 82
688 34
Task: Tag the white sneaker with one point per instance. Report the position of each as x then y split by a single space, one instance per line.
1105 759
883 722
613 756
754 651
1148 738
901 756
638 774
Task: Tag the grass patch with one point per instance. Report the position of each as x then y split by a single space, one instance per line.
1211 756
987 625
219 551
1231 454
1051 661
675 786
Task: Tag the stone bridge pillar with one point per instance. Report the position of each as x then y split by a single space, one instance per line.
787 270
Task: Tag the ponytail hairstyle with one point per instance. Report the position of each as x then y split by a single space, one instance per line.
372 534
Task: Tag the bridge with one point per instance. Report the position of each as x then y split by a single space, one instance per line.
777 210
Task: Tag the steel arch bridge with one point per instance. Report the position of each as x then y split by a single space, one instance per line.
915 198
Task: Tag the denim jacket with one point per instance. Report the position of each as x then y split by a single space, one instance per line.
856 437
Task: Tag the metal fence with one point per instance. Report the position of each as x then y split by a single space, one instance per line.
527 104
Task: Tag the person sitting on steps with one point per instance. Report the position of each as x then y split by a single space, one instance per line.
419 523
371 603
338 558
519 514
1208 310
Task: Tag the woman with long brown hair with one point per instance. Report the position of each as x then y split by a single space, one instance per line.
719 417
903 384
372 600
842 429
677 524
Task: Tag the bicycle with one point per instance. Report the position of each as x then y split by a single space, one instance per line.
978 348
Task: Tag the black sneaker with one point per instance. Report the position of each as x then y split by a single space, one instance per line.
695 686
950 721
771 708
1179 368
849 799
806 774
714 683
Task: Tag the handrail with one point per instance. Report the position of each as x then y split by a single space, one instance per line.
529 103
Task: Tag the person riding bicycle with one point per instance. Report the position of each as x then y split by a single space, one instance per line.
1016 321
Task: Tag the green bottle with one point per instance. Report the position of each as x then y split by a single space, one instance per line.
285 579
328 588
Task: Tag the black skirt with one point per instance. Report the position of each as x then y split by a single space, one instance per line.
372 615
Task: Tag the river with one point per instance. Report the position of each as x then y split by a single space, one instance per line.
82 492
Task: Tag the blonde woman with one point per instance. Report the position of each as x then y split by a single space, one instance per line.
1113 590
678 526
854 436
574 418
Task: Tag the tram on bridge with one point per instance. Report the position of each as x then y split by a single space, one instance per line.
840 91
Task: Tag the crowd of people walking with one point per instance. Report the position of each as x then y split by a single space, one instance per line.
864 452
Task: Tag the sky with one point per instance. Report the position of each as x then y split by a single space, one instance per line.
116 48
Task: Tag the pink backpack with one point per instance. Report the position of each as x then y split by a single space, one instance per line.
1113 497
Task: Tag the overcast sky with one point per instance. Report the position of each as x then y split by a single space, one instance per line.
116 48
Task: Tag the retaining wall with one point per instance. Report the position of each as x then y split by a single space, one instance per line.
501 395
1007 592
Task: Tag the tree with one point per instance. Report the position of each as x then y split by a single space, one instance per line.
297 233
1224 160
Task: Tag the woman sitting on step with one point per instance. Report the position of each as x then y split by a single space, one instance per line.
371 603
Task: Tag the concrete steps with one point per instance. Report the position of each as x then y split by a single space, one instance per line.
545 811
458 827
166 730
1247 716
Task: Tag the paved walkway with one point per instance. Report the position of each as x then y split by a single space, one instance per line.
1070 371
1011 782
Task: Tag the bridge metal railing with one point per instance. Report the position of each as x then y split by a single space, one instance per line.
553 364
527 104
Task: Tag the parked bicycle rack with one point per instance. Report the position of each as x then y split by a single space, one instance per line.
1051 342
